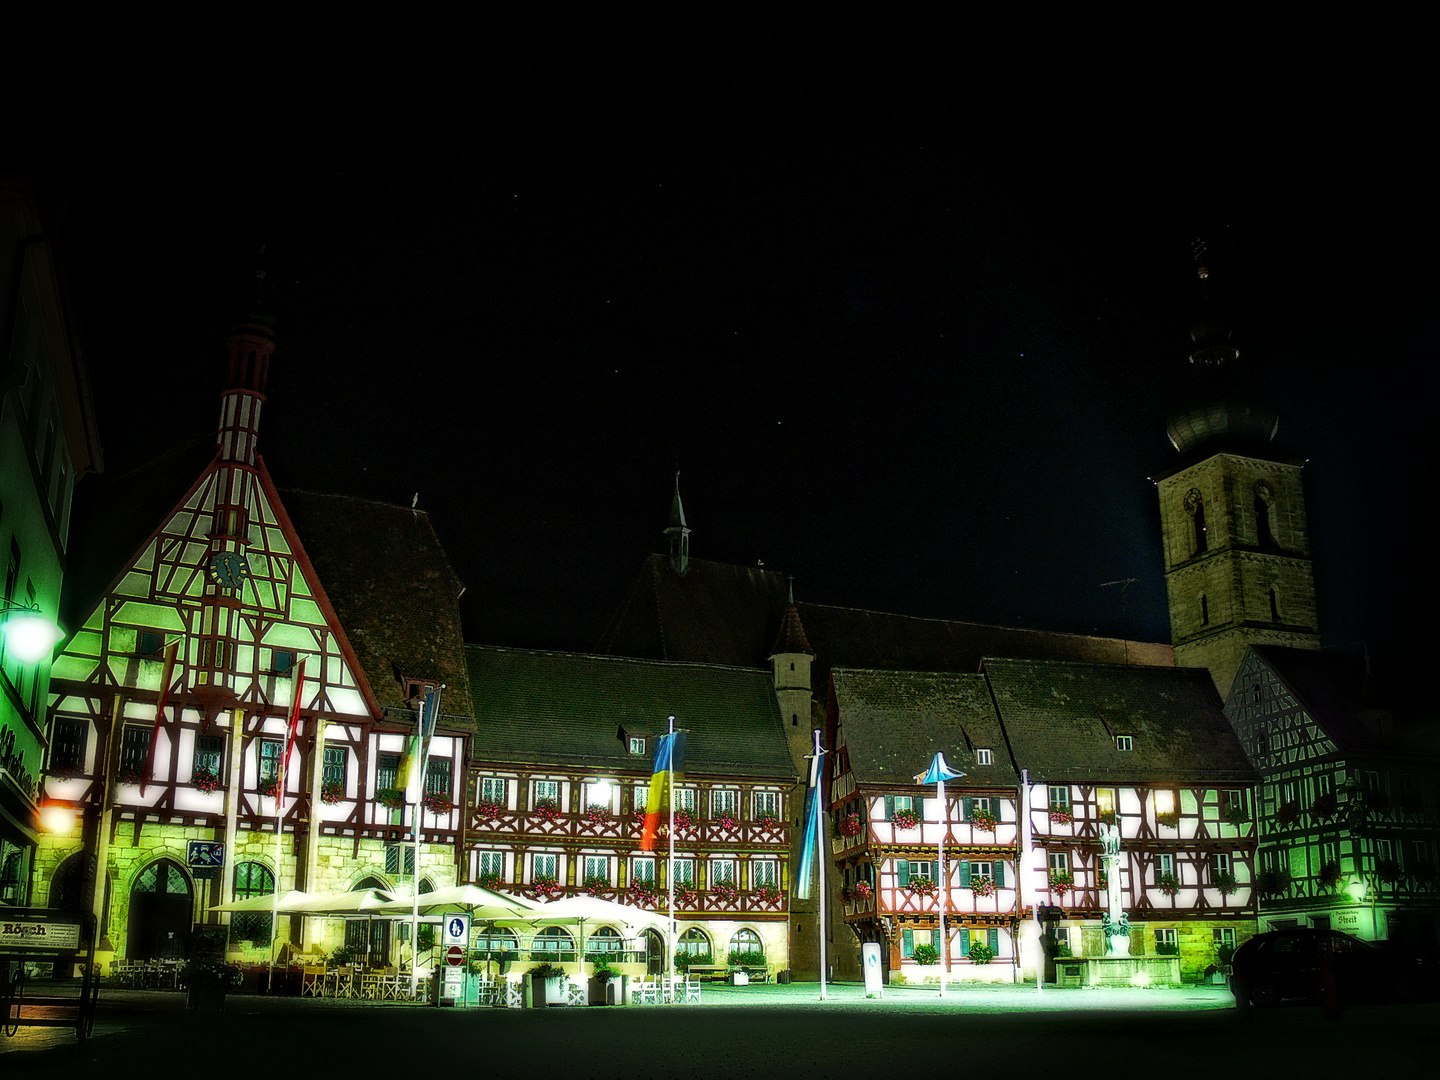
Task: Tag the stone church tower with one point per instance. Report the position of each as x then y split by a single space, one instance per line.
1232 513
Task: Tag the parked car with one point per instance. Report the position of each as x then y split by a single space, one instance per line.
1303 963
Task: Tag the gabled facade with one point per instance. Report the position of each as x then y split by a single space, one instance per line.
887 828
1349 811
1149 751
47 442
560 772
170 704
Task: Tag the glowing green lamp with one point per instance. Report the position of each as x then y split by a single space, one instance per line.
29 635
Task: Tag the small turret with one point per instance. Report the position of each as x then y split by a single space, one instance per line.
677 534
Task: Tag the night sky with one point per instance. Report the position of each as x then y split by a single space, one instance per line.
908 338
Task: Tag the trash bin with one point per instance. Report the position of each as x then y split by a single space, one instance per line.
783 977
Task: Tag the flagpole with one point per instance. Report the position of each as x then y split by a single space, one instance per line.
944 877
820 856
424 748
1024 859
670 868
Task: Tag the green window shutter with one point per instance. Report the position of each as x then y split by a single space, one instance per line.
964 874
902 868
968 808
907 944
964 942
999 874
995 941
935 872
889 807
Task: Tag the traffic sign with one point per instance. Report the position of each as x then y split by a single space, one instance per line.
205 853
454 956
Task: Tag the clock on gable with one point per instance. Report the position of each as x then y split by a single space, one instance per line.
227 569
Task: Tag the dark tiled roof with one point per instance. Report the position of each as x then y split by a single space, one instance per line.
1334 691
715 614
1061 720
392 588
566 709
849 637
895 721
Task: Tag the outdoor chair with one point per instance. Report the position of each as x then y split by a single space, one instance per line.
645 992
576 993
692 990
312 981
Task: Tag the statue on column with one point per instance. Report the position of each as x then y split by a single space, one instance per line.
1116 924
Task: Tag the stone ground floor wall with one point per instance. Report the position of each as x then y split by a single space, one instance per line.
338 867
774 938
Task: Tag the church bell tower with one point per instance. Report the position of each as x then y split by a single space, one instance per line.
1232 513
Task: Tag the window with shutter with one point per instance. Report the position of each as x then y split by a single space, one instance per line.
907 944
999 872
995 941
964 942
902 871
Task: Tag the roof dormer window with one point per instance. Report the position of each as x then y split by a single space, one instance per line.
1125 743
984 756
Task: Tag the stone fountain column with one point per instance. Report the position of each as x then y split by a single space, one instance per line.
1117 926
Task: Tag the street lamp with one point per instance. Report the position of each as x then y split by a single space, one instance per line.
29 635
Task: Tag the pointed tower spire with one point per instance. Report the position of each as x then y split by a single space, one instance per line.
250 345
677 533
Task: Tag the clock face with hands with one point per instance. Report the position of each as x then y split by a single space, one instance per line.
227 569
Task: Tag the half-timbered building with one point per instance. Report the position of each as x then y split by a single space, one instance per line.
1149 751
559 776
887 829
211 627
1349 823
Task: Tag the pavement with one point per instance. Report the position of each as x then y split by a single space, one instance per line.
750 1032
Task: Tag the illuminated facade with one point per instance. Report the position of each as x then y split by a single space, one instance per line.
219 618
560 773
47 441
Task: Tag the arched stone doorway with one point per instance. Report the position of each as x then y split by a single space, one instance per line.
162 911
368 939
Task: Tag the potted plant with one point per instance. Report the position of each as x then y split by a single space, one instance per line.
850 825
684 820
1272 882
596 885
206 780
129 776
1168 884
686 897
1108 817
1236 814
642 894
547 985
487 810
332 792
1062 816
768 821
1061 881
921 885
863 892
437 802
547 810
1288 813
927 954
1331 875
390 798
981 953
984 819
725 892
769 894
491 879
1167 948
905 819
596 814
600 979
269 786
726 821
207 982
546 886
982 886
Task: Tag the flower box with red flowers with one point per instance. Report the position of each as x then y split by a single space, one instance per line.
332 792
595 814
1062 817
547 810
905 819
643 896
128 777
205 780
984 819
684 820
725 821
983 886
686 897
1168 819
768 894
862 892
595 885
1168 884
768 821
1324 807
922 886
486 810
1061 881
437 802
725 892
271 785
545 885
390 798
491 879
850 825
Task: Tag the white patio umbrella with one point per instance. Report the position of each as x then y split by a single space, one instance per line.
480 902
579 910
263 903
